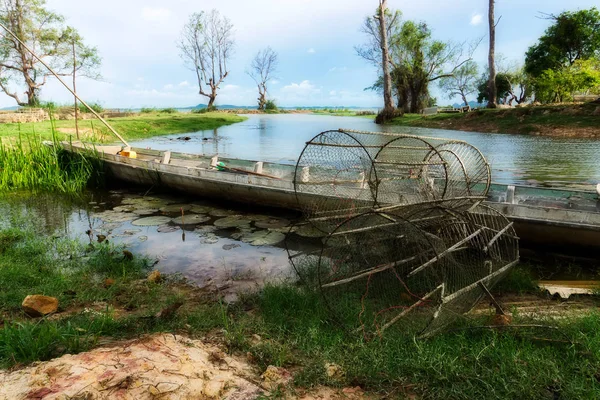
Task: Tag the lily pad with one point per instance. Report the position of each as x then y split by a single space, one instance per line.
151 221
309 231
263 238
258 217
210 238
109 226
191 219
143 212
168 228
175 208
115 216
234 221
200 209
220 212
205 230
273 223
143 238
126 208
230 246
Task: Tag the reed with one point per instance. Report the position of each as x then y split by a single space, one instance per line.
32 164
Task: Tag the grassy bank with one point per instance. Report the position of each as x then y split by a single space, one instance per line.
104 296
139 126
560 120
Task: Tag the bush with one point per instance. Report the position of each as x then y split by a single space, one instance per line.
387 114
94 106
270 105
147 110
169 110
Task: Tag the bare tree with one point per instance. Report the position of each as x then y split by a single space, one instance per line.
206 45
388 102
491 58
462 83
262 67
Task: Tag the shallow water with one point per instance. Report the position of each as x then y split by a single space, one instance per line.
203 253
518 159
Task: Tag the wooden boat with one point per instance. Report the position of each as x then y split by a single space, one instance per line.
561 220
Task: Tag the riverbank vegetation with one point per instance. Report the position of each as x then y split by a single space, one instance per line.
137 126
107 294
552 120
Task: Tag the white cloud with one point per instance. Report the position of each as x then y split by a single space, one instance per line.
302 89
332 93
476 19
274 81
168 87
155 14
311 50
183 84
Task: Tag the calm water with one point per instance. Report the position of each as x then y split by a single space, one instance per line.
519 159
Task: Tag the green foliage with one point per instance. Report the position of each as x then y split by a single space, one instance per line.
270 105
559 85
44 31
148 110
94 106
169 110
574 35
503 88
32 165
462 83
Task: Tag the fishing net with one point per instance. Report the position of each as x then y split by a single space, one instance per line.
405 243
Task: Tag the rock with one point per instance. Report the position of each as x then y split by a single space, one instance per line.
273 377
213 389
501 320
128 255
334 371
101 238
108 282
38 305
155 277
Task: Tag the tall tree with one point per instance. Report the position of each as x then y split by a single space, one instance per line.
491 57
43 31
263 65
415 58
572 36
462 83
388 103
207 44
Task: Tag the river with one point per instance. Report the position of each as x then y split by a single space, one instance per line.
515 159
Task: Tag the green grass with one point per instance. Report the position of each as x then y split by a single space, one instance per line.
344 112
525 120
294 325
135 127
29 164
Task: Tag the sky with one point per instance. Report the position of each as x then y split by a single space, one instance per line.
314 39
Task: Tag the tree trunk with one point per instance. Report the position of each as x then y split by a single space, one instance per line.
262 98
464 99
492 58
75 90
385 59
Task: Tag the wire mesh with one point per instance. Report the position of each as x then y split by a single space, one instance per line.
408 245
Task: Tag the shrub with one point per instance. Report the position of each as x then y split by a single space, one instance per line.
147 110
270 105
94 106
169 110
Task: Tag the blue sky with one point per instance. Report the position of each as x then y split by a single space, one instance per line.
315 41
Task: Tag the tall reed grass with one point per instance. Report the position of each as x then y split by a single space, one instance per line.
32 164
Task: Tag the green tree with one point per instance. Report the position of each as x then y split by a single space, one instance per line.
559 85
462 83
574 35
44 32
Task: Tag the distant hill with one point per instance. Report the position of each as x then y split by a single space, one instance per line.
235 107
12 108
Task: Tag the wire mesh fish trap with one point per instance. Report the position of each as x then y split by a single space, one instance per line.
407 245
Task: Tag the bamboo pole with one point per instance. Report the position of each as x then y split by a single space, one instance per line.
65 85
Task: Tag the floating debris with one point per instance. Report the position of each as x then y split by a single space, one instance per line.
126 208
210 238
151 221
143 238
230 246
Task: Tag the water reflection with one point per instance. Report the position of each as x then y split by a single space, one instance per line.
203 253
520 159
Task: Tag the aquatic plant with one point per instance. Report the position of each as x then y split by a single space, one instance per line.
32 164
